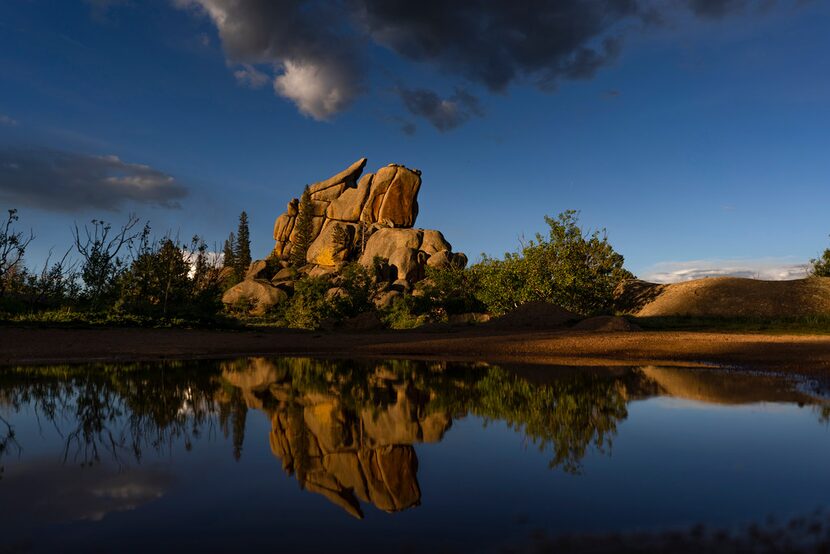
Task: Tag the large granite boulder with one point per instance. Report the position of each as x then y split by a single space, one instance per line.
256 295
409 251
333 245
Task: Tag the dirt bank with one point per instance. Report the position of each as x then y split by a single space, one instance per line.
726 297
804 354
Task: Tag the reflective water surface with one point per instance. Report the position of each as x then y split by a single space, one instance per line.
302 455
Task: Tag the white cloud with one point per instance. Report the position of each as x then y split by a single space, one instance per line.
318 55
768 269
6 120
212 259
319 91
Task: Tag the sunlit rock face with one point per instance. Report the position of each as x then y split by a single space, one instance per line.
354 218
360 206
346 453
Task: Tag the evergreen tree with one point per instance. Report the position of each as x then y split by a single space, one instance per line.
242 252
304 228
227 252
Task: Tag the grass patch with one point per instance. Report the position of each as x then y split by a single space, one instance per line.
72 319
797 325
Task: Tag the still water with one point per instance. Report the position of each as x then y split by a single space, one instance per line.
301 455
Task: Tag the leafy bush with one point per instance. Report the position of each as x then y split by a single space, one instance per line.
102 261
312 303
357 286
820 267
575 270
405 313
448 291
309 306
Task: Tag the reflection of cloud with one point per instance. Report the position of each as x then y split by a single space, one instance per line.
768 269
76 494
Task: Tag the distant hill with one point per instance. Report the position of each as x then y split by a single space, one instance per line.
726 297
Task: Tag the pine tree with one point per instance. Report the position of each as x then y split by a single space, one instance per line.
242 252
304 227
227 252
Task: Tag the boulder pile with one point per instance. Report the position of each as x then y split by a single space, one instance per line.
368 219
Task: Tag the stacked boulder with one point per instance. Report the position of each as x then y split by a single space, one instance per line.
354 218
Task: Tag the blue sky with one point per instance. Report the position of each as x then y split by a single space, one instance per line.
699 138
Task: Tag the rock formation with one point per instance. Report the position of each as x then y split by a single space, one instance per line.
354 218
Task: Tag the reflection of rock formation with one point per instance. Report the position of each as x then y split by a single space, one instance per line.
347 454
346 429
723 387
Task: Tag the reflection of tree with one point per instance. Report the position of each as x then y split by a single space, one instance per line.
233 413
569 415
114 410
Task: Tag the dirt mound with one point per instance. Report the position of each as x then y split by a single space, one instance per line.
631 295
726 297
606 323
534 315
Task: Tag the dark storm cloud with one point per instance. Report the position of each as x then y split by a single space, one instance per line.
715 8
443 113
316 49
408 128
497 43
68 182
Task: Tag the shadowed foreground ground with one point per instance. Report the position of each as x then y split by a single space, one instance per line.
804 354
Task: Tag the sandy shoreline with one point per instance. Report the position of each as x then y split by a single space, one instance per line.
796 353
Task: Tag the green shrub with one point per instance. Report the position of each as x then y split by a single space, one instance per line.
357 286
820 267
575 270
403 314
450 290
309 306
